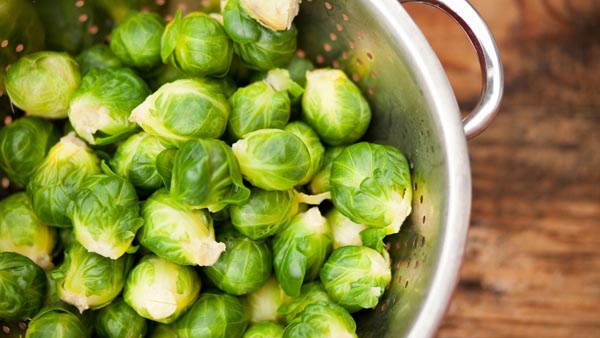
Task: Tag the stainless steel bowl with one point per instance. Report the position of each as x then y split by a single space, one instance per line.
384 52
381 48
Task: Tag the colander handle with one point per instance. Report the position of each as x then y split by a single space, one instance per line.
489 59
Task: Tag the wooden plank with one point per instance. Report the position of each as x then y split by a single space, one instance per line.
532 265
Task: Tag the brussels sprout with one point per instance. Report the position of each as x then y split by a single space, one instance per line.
71 28
42 83
322 320
56 322
163 331
320 181
334 106
197 45
135 160
298 68
262 104
259 47
183 110
213 315
20 156
272 159
264 329
275 14
313 145
310 293
98 56
371 184
257 106
300 250
243 267
264 212
106 215
160 290
345 232
54 183
22 232
22 286
100 108
206 174
355 277
88 280
136 40
178 234
118 320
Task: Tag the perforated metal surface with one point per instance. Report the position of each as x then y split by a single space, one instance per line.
383 51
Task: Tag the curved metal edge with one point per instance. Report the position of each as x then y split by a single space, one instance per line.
489 59
457 197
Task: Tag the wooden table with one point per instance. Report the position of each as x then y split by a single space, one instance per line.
532 265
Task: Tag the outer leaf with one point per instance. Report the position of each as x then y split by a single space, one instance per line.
22 286
206 175
300 250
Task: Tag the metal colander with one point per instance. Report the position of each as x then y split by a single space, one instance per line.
382 50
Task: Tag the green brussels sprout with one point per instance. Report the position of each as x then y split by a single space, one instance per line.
206 174
275 14
160 290
257 106
320 182
88 280
313 145
355 277
263 304
22 232
56 322
100 108
106 215
71 28
272 159
161 330
213 315
264 212
259 47
118 320
42 83
97 56
310 293
298 68
22 286
334 106
54 183
20 155
135 160
322 320
183 110
345 232
197 45
266 329
300 250
243 267
178 234
371 185
19 25
136 40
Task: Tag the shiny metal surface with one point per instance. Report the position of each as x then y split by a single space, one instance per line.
489 58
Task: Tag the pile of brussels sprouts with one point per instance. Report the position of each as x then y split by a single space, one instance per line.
193 178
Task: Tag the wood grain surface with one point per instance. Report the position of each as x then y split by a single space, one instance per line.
532 265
